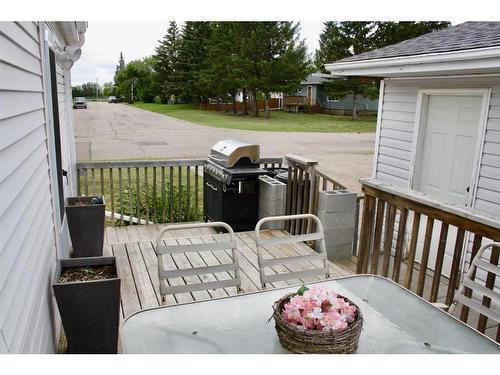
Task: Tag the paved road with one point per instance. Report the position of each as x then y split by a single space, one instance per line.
117 131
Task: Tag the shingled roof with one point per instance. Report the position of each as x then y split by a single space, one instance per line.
465 36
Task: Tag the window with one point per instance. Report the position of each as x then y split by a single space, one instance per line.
330 99
299 91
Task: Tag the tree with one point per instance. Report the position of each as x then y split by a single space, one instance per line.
121 63
87 90
388 33
191 62
136 80
343 39
76 91
273 58
109 89
331 51
165 60
224 74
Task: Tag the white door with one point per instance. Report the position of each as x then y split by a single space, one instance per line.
446 158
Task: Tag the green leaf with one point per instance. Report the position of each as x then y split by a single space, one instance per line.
302 290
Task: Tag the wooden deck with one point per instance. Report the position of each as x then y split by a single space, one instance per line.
133 247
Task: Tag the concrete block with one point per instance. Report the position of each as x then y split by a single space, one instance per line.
339 236
336 200
336 219
275 208
339 252
273 224
271 189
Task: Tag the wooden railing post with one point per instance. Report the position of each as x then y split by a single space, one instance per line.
301 190
366 234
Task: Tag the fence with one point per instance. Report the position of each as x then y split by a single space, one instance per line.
149 191
389 213
303 187
274 103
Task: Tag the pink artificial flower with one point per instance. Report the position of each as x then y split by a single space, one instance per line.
319 309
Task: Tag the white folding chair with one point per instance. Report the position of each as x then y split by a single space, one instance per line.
163 248
470 283
290 239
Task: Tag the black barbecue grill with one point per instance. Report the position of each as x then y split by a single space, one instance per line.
231 184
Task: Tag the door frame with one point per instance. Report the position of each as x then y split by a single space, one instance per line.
420 117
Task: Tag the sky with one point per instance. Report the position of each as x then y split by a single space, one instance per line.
105 40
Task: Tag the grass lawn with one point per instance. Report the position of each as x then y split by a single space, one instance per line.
280 121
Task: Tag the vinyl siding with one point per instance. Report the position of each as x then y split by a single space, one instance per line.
397 127
488 192
345 104
27 237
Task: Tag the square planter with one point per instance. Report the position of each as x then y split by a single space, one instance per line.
86 225
90 310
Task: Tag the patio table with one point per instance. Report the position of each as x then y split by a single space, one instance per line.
395 321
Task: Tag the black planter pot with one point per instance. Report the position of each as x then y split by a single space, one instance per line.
90 310
86 226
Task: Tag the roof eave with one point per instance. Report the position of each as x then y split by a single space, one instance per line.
466 61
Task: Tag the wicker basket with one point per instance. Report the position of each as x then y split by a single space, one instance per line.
299 340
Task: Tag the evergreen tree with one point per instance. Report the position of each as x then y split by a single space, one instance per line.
331 51
121 64
388 33
224 75
191 62
343 39
273 58
166 58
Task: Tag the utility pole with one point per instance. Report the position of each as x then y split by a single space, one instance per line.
96 89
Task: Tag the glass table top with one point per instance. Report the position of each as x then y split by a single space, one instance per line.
395 321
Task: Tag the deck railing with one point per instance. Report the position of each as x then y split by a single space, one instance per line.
149 191
392 220
305 182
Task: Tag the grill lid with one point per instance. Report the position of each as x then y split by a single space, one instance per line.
231 151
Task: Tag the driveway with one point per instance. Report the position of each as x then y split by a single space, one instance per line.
117 131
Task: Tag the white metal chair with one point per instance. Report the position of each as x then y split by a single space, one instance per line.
470 282
290 239
163 248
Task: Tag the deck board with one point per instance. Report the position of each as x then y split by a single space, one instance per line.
134 248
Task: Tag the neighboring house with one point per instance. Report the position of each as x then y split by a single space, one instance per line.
312 93
36 146
438 128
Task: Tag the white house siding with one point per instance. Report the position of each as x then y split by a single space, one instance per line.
397 130
27 238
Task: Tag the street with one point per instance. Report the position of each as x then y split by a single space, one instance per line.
117 131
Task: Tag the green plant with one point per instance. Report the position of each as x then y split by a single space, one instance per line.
159 207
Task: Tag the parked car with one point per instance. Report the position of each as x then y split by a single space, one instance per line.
112 99
80 103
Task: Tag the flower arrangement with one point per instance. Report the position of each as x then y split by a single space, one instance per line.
319 309
317 320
